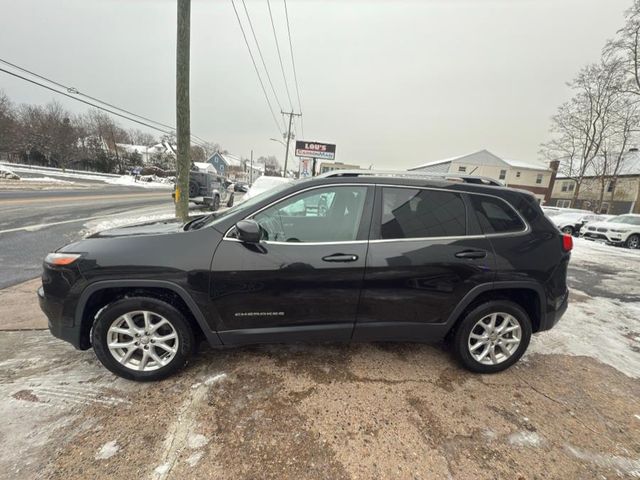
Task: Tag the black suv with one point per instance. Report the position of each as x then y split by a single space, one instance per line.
391 257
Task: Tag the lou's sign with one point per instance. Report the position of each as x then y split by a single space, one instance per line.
325 151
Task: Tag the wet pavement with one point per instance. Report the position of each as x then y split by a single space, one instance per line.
569 409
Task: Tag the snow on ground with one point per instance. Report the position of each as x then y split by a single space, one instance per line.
604 324
95 176
46 179
148 215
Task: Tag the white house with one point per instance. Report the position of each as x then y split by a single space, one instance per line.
531 175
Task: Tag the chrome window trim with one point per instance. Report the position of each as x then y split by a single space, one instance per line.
315 187
526 230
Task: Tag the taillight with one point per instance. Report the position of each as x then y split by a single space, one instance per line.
61 259
567 243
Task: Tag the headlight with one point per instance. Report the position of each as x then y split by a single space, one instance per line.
619 231
61 259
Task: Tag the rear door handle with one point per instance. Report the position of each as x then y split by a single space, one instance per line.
340 257
472 254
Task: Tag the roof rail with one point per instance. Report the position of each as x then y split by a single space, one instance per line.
413 174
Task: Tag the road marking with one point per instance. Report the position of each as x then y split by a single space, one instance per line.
124 196
40 226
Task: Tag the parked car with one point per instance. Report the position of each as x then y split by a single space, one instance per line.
571 223
209 189
414 258
621 230
264 183
553 211
240 187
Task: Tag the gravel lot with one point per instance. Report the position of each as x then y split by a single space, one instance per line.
570 409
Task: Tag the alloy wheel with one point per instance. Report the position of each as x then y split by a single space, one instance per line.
142 340
494 338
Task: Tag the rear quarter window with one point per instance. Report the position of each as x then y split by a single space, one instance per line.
496 215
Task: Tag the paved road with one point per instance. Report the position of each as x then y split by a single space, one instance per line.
34 222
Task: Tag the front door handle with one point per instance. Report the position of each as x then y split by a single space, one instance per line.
340 257
471 254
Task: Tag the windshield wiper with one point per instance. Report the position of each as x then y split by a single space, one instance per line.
198 222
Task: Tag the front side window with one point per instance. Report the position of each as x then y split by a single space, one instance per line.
417 213
495 215
331 214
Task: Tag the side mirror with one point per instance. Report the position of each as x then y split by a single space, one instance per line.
248 231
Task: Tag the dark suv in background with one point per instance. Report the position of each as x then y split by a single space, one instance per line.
389 257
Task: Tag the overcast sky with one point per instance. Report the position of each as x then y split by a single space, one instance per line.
392 83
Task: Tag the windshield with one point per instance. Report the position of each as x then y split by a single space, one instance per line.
244 206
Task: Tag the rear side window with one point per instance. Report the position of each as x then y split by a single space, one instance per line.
495 215
418 213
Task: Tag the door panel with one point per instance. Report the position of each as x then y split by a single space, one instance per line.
279 285
413 286
421 263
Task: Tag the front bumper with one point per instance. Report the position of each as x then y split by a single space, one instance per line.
60 326
609 237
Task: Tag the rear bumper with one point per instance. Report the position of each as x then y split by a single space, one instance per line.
554 312
60 326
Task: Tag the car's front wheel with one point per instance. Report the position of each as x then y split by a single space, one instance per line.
633 241
142 338
492 337
568 230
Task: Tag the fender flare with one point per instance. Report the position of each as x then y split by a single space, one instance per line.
496 287
211 335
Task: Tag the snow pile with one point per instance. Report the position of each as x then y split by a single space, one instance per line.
8 174
604 326
108 450
101 224
142 181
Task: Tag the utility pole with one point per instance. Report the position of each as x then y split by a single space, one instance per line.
286 152
183 123
251 169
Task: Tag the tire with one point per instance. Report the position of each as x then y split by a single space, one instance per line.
215 204
113 316
230 202
633 241
193 189
463 342
568 230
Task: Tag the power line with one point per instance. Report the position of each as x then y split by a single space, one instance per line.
84 101
264 91
264 64
295 74
71 91
284 77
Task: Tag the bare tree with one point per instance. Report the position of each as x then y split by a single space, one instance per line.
625 48
625 120
138 137
581 125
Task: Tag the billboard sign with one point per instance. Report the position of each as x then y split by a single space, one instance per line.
324 151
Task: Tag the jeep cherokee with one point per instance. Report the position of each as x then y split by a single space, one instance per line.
390 257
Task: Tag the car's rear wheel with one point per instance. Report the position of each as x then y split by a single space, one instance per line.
215 203
193 189
633 241
142 338
492 337
230 202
